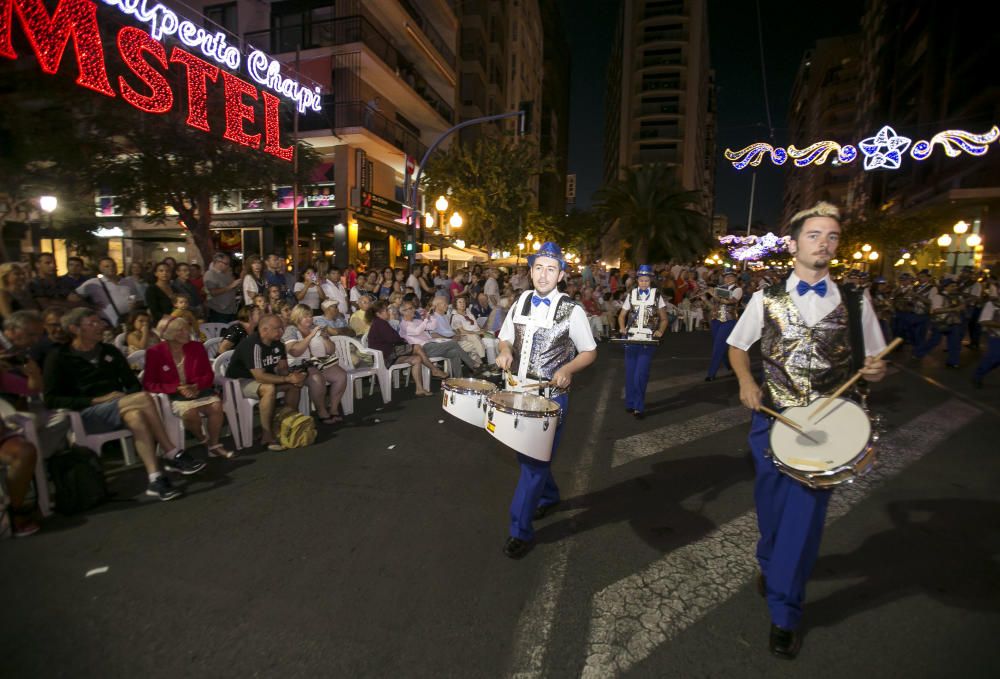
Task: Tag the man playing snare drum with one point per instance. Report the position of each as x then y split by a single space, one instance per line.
805 325
545 337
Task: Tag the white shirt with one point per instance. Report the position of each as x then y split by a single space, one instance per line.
492 290
812 308
336 292
413 282
579 326
93 290
987 313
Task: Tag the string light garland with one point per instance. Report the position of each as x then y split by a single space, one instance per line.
237 111
199 72
272 129
884 150
133 43
753 248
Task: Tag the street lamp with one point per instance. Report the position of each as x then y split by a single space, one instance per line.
960 228
866 248
944 240
857 255
48 203
455 221
441 204
954 245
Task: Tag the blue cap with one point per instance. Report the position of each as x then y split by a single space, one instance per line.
644 270
880 280
548 249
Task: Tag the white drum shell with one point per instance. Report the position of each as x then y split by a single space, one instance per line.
467 399
530 432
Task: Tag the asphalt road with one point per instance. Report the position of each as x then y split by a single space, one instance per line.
377 552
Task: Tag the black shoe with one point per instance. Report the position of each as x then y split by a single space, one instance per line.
162 488
709 379
630 410
543 511
761 585
183 463
638 414
785 643
515 548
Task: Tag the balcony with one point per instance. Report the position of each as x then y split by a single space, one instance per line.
358 114
345 31
435 38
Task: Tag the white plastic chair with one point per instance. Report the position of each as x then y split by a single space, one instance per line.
96 441
213 329
120 343
212 347
357 375
137 360
237 407
388 375
26 423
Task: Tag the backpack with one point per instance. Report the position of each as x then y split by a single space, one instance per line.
294 429
78 478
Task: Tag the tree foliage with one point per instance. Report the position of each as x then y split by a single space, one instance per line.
890 233
653 212
491 184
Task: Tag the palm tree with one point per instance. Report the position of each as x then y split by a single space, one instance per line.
652 209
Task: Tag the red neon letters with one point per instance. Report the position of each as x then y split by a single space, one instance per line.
146 60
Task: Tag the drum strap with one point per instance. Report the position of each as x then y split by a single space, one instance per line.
852 300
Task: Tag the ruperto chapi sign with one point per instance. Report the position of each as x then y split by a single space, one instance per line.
147 63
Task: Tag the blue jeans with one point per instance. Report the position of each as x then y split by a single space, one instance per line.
535 487
991 360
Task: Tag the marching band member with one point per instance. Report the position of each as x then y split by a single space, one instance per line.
638 308
545 337
989 319
947 320
723 320
805 325
972 291
921 296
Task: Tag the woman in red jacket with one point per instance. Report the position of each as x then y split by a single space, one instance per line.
179 367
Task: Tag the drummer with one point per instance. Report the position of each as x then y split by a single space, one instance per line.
724 313
805 325
639 356
545 337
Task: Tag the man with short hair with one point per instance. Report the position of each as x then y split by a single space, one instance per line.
261 366
46 287
221 288
74 276
334 289
481 307
113 300
491 288
276 274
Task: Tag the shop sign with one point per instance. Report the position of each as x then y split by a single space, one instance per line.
372 201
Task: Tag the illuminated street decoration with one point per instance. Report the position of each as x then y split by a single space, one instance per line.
752 248
884 150
145 63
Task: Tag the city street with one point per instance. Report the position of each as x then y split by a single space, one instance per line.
378 551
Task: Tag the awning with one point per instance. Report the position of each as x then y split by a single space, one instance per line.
453 254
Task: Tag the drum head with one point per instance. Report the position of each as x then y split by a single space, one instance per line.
511 401
465 385
833 439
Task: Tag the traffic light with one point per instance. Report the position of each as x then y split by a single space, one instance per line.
525 109
408 247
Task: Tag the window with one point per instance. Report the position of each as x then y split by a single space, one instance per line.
223 15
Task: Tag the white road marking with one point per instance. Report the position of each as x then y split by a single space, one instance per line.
671 383
648 443
634 616
534 627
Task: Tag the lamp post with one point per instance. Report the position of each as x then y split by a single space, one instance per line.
48 204
953 246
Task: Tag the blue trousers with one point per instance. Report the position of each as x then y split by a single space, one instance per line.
720 350
975 330
991 360
790 517
954 334
918 325
637 362
536 487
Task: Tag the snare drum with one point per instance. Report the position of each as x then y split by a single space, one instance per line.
466 399
525 422
833 449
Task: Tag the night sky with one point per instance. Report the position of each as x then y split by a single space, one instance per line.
789 29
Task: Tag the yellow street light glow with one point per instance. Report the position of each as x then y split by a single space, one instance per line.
873 256
974 240
441 204
520 246
428 220
835 262
48 203
537 245
866 248
906 255
456 221
529 238
857 255
899 262
944 240
960 228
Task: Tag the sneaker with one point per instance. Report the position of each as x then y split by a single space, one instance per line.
183 463
163 489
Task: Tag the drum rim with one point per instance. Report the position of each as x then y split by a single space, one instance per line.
468 390
511 410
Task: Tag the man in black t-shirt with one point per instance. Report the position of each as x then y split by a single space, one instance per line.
260 365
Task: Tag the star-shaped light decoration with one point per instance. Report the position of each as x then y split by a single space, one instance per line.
894 146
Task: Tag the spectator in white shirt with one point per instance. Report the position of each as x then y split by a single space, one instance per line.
113 300
308 291
334 290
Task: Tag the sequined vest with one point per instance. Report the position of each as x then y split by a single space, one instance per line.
552 347
942 321
922 298
802 363
991 331
651 319
724 312
902 299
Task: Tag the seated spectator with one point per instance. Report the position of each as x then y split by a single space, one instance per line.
283 310
260 301
416 332
160 295
182 310
182 285
246 323
46 288
275 294
495 320
481 307
457 286
596 317
14 294
260 364
53 334
468 333
395 349
358 321
113 300
304 341
94 378
19 457
179 367
141 335
332 321
75 276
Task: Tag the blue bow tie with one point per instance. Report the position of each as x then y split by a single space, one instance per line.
803 287
536 300
644 293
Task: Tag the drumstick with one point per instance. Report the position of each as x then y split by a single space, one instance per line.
781 418
857 376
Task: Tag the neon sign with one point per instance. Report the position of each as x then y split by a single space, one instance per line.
145 85
261 68
884 150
